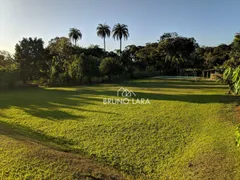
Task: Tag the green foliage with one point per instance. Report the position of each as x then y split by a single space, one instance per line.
61 47
149 72
178 51
76 68
75 35
140 74
120 31
53 72
6 60
215 56
30 55
231 74
103 31
62 63
9 77
9 72
110 66
168 36
238 136
83 66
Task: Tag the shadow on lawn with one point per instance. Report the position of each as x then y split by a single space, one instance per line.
58 104
192 98
186 84
24 133
46 103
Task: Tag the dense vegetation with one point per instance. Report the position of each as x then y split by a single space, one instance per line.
187 132
232 67
63 62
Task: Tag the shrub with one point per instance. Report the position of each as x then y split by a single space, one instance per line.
42 81
150 72
231 77
140 74
9 78
238 136
110 67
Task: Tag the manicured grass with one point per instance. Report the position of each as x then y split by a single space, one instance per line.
187 132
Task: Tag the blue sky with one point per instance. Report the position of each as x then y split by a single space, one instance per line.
210 22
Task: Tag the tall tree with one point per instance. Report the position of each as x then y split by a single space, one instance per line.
61 47
235 54
120 31
109 66
60 51
231 75
6 59
75 35
103 31
168 36
177 50
29 53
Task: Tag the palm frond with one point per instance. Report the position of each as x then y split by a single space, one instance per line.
75 34
120 31
103 30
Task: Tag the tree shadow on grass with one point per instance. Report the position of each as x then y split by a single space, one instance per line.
49 149
191 98
52 114
153 84
54 104
24 133
46 103
180 84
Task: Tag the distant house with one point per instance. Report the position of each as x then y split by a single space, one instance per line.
210 73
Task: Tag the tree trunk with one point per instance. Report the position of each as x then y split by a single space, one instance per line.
109 78
120 46
104 44
81 79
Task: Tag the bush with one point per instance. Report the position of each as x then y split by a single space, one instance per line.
110 67
238 136
61 79
140 74
231 77
150 72
9 78
42 81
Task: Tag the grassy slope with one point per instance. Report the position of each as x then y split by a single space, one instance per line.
187 132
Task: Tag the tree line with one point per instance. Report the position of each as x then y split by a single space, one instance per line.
63 62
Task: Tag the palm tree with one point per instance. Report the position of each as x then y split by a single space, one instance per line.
120 31
75 35
103 31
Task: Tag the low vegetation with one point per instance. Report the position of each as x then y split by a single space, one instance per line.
238 135
187 132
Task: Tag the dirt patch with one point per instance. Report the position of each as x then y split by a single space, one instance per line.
212 165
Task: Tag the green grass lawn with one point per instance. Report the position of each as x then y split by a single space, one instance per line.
187 132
